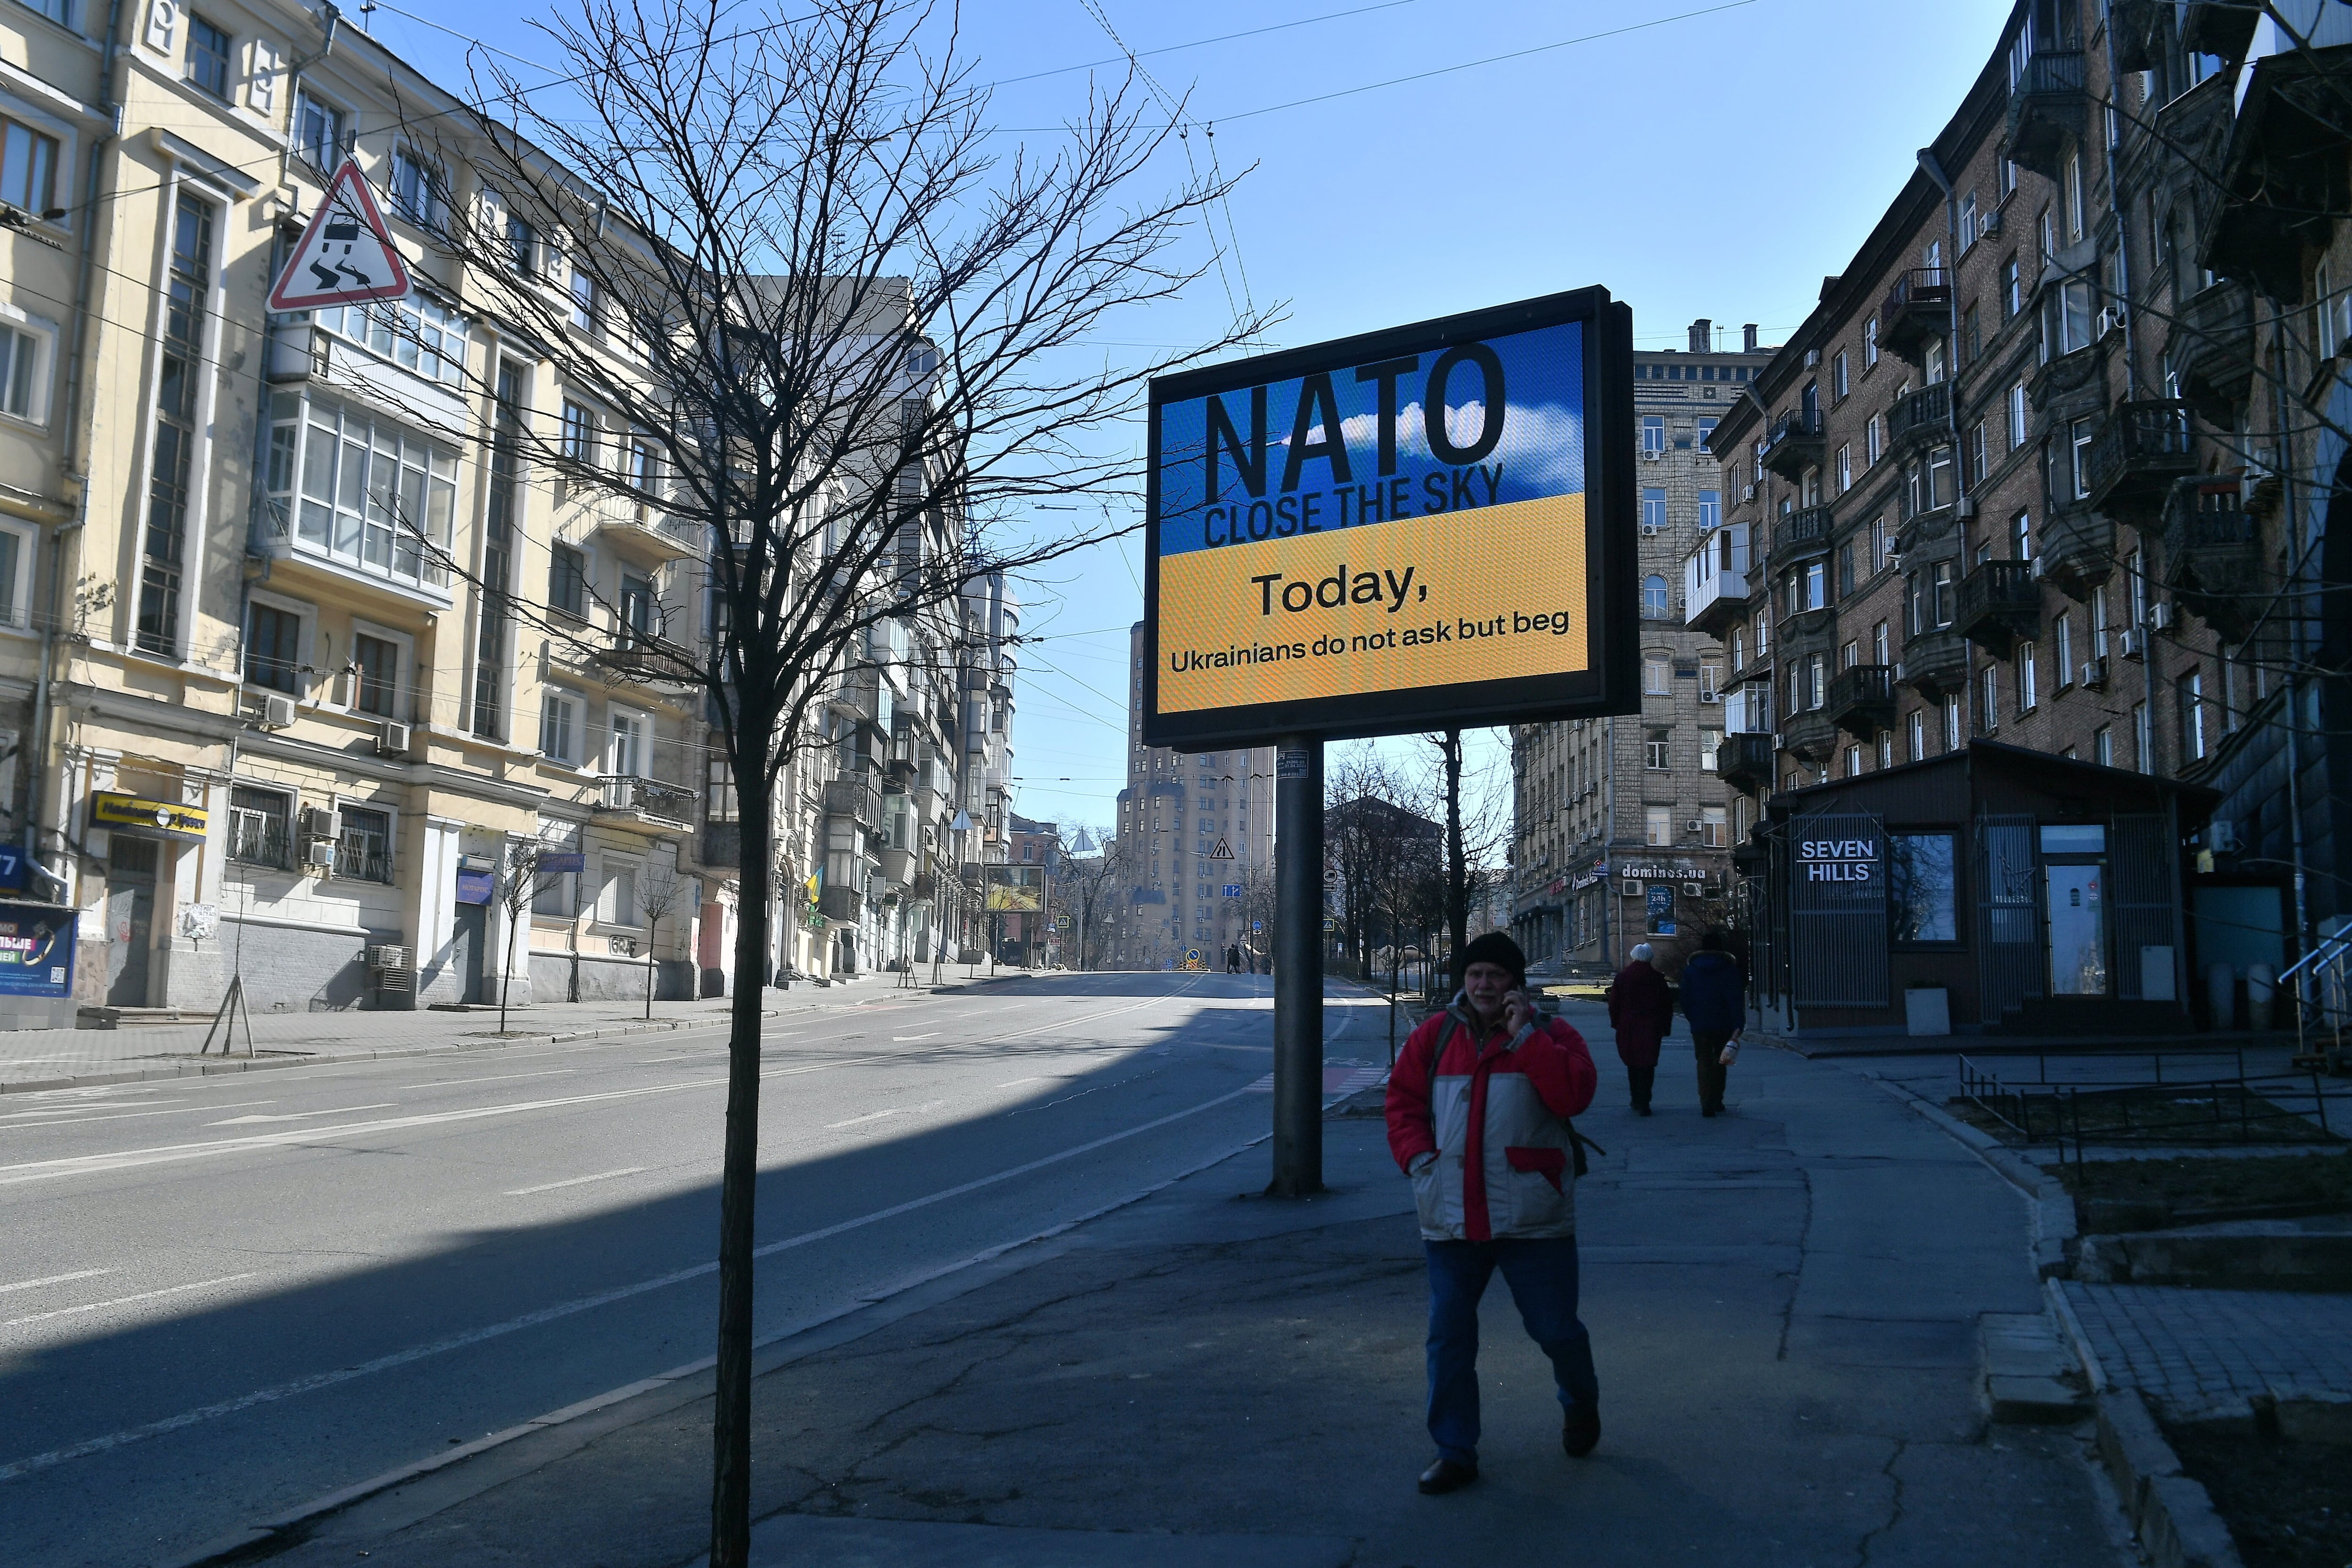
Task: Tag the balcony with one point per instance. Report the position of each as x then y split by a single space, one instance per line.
644 659
1794 443
1714 605
1936 662
2212 549
842 904
2047 105
2139 42
651 803
2222 28
2077 374
1800 534
856 798
2077 549
2136 456
1917 311
2214 347
1862 699
2000 602
645 535
2281 178
1921 418
1810 736
1747 763
1922 527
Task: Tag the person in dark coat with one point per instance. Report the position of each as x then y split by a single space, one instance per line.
1642 1011
1714 1000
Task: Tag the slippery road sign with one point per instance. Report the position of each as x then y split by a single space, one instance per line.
346 256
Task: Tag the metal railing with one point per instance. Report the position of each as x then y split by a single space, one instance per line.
650 797
1924 414
2327 962
2077 1113
1806 529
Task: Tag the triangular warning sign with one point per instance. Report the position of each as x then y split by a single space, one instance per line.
346 256
1223 851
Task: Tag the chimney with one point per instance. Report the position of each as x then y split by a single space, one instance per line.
1747 339
1702 336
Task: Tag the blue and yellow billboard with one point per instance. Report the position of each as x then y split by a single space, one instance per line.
1423 528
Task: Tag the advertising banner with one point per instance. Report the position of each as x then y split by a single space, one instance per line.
1426 526
36 951
1015 888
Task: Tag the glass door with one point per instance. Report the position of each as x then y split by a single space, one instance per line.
2078 931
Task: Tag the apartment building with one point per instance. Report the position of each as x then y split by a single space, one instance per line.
297 644
1620 827
1182 901
2045 470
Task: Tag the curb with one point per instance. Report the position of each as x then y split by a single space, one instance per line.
2055 1240
575 1425
2172 1513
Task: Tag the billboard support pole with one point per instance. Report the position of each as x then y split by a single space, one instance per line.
1297 968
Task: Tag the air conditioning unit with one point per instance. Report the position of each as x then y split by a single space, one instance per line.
1690 824
392 741
2132 643
1990 223
2110 320
1649 530
276 712
318 822
320 853
2159 617
2034 566
1895 561
1710 696
388 956
1652 454
1813 358
1748 492
2094 674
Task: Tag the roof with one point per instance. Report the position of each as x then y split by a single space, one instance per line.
1920 783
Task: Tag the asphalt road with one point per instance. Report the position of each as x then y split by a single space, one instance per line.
220 1298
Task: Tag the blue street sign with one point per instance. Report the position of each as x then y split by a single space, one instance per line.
1232 890
12 866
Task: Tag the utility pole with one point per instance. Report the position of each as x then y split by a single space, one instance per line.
1297 968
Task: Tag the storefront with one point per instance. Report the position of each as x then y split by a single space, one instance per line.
1994 891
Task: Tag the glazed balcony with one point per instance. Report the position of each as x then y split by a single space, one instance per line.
2136 456
1936 662
2212 549
2048 105
1921 418
2001 604
1917 311
1800 534
1747 763
1862 699
2077 549
856 798
1794 443
2214 346
1715 596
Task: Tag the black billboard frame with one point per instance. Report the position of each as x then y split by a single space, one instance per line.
1607 686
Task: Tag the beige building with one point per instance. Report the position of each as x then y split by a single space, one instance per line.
296 647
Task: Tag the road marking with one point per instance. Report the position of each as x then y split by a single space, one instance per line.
54 1280
1017 1083
576 1181
303 1115
33 1463
126 1300
71 1109
870 1116
897 1039
57 1121
495 1077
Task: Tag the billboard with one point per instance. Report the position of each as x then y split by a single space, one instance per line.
36 951
1327 556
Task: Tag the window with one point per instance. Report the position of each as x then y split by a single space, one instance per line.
1711 826
318 132
257 822
1653 434
1951 722
24 379
1710 743
638 615
567 580
1656 673
372 496
1845 468
1878 643
1869 343
584 301
1710 680
616 901
626 755
273 650
1654 510
1988 700
2099 621
208 48
2012 289
2073 184
2029 677
1655 744
2020 537
577 440
1967 221
416 334
1764 633
1923 886
2191 688
1971 335
2064 631
57 11
1840 383
1849 655
1918 734
363 849
2078 442
419 190
559 728
18 547
1706 432
1886 748
1658 827
2066 318
645 469
1817 681
1710 511
187 284
499 524
28 168
1655 603
2102 745
1978 463
2143 738
1932 369
1852 762
1874 441
376 675
1845 571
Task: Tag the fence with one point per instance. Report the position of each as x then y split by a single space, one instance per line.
2077 1111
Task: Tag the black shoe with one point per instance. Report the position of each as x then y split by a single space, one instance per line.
1710 1111
1447 1476
1641 1110
1579 1433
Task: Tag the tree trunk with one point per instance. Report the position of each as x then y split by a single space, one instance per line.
730 1487
1457 874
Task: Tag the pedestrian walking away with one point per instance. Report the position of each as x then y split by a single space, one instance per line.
1234 958
1642 1012
1478 1108
1714 1000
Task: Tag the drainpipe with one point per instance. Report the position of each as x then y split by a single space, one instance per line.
2132 382
2297 639
1963 503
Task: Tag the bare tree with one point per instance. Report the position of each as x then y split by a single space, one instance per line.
516 892
1088 882
660 894
846 330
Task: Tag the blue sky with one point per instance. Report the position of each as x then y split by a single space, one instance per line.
1717 164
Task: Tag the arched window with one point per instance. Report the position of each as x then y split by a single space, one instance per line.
1653 598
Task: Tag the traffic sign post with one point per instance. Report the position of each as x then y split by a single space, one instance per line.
346 256
1297 968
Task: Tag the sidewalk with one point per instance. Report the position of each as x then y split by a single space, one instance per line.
2202 1354
37 1059
1784 1304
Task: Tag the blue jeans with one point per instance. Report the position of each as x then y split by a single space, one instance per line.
1541 1274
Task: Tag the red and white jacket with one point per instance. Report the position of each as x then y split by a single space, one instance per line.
1494 1110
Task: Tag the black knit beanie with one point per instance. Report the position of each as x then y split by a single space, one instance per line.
1493 947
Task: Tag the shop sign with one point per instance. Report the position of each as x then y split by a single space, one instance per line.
12 866
477 887
144 818
1837 910
36 951
560 864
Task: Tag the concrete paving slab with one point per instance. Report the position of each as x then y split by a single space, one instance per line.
810 1540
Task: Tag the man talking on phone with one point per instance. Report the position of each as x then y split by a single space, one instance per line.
1477 1110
